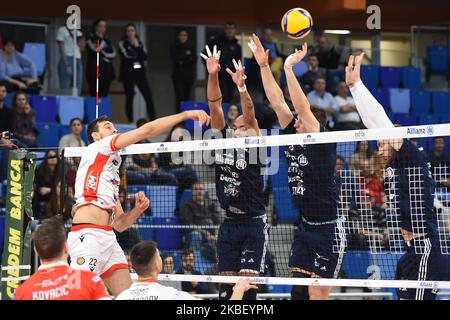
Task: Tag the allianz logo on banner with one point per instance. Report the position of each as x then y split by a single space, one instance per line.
413 131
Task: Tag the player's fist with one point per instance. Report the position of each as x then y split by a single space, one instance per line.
353 69
141 202
198 115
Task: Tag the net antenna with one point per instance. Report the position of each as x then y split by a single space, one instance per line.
97 78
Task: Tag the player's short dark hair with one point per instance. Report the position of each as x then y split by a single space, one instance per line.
50 238
313 55
438 138
75 119
187 252
142 254
320 115
9 40
93 127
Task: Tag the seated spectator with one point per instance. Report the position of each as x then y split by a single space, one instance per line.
197 212
233 113
188 267
362 152
324 100
73 139
146 261
53 207
168 267
275 58
440 162
17 72
143 169
372 185
24 121
46 175
307 79
54 274
5 112
347 116
331 56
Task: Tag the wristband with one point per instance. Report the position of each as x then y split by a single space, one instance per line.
242 89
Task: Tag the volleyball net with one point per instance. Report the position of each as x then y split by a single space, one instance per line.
302 179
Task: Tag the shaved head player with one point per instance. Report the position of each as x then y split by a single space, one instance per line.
97 211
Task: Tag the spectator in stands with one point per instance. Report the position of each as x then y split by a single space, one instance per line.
362 152
107 55
230 49
143 169
73 139
233 113
6 115
69 50
347 117
53 207
275 57
307 79
183 61
24 121
323 99
133 72
198 212
17 72
44 180
188 268
168 267
372 185
440 162
331 56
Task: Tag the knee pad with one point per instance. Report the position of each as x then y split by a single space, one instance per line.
300 292
225 291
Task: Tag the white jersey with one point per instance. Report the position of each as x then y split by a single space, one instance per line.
98 178
152 290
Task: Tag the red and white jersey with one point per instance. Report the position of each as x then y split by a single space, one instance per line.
58 281
98 180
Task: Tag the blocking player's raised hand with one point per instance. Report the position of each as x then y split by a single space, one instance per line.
353 69
198 115
212 60
141 202
261 55
296 57
238 76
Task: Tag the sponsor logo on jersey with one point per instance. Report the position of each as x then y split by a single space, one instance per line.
241 164
302 160
80 260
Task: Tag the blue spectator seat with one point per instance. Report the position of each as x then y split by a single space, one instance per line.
346 149
440 103
84 135
190 125
356 264
69 108
370 75
201 263
411 78
163 199
36 53
168 238
300 69
63 130
382 96
9 99
406 119
445 118
48 134
40 155
420 102
121 128
390 77
438 58
387 262
185 196
144 232
399 100
425 119
45 108
104 107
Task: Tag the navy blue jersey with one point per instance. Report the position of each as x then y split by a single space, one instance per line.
408 178
239 183
311 178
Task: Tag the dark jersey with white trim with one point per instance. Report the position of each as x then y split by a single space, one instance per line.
311 178
239 181
408 178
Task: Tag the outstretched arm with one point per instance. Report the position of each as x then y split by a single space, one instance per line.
159 126
247 103
301 103
370 110
271 88
213 91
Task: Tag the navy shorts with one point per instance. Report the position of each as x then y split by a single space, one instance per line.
242 244
427 263
319 249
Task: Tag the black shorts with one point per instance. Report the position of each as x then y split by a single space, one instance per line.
242 245
319 249
423 261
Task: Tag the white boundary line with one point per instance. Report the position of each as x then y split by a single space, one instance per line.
360 283
426 131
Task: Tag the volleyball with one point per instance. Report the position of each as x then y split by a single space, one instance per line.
296 23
